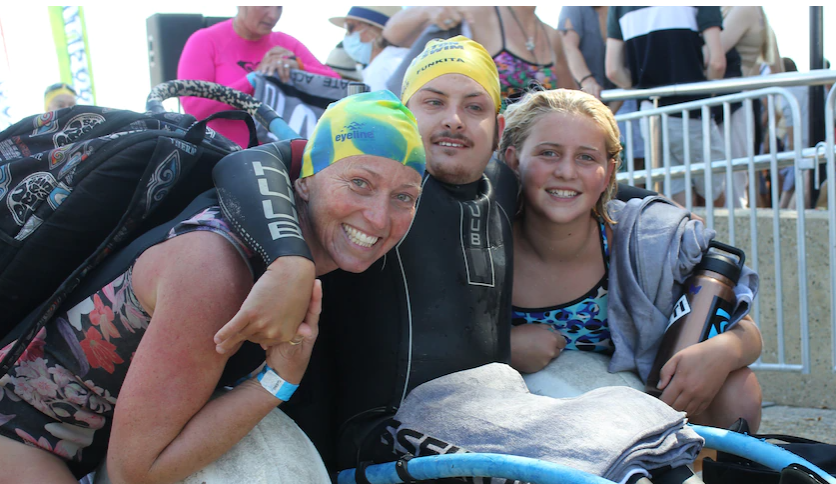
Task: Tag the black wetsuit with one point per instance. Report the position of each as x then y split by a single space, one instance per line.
431 307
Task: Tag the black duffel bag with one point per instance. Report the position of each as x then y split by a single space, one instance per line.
732 469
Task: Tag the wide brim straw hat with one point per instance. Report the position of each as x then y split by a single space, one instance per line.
377 16
339 60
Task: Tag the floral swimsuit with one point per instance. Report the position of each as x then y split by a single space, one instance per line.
516 75
61 393
583 322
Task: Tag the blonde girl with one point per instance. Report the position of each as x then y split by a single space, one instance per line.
564 145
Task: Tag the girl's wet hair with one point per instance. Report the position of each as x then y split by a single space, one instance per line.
521 116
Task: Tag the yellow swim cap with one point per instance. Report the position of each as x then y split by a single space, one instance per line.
458 55
56 90
370 123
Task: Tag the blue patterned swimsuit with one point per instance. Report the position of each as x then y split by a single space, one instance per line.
583 322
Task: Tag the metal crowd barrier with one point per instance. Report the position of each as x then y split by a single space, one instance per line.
660 173
830 134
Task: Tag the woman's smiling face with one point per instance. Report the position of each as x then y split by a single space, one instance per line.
359 208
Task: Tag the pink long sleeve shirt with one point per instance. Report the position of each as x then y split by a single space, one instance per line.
219 55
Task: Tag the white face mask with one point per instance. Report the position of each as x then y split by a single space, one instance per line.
357 49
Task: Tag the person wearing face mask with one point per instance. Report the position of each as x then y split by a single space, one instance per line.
343 64
365 44
227 51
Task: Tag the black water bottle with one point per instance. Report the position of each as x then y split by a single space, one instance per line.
705 308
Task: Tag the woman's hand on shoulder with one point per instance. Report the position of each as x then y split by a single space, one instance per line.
290 359
533 346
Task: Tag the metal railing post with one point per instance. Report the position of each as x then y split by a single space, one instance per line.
830 140
653 129
658 170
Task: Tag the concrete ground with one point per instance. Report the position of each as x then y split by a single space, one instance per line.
812 423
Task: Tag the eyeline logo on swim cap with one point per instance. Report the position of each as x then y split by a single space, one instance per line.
355 131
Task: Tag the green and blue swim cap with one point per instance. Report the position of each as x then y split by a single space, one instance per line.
369 123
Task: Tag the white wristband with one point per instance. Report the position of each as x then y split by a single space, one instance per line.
273 383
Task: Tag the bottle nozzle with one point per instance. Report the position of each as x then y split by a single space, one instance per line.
720 258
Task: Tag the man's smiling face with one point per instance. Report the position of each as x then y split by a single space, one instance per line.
458 123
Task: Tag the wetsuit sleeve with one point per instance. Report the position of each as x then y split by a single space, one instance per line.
257 200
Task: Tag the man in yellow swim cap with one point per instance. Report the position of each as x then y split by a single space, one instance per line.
452 87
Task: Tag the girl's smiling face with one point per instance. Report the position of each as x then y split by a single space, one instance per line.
563 166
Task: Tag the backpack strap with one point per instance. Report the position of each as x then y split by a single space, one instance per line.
297 149
197 132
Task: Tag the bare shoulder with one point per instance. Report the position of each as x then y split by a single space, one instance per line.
753 10
553 35
744 14
196 264
485 27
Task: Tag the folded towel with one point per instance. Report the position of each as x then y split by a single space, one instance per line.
611 432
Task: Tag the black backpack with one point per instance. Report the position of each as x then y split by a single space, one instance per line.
79 183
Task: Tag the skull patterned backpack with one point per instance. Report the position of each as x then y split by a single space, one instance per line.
79 183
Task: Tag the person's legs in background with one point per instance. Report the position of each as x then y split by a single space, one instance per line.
715 142
738 138
631 106
787 199
677 156
648 142
677 147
